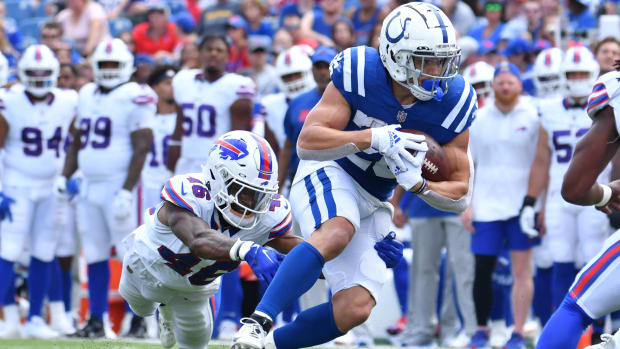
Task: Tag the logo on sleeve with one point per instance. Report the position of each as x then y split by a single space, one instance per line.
232 149
182 190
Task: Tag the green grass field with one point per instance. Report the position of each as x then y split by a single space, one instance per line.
84 344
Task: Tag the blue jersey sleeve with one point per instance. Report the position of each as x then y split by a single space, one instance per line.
354 73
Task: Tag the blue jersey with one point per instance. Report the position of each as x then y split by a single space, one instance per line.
361 78
296 114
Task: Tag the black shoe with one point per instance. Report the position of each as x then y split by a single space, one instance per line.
93 329
138 327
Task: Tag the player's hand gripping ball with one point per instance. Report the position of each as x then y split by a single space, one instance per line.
436 167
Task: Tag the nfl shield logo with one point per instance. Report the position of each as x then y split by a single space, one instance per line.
401 116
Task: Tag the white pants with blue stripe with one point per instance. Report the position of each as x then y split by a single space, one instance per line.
596 286
324 190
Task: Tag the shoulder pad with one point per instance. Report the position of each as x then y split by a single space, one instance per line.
244 87
606 88
458 107
281 219
186 191
355 71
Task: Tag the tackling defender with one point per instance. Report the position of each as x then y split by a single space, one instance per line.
353 158
594 293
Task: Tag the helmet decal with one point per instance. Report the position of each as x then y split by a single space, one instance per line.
443 27
548 58
37 54
108 47
403 27
287 58
232 149
265 159
576 56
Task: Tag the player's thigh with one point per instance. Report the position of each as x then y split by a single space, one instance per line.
93 231
193 321
118 228
324 194
593 229
488 238
359 264
15 233
596 286
561 234
46 229
131 284
67 241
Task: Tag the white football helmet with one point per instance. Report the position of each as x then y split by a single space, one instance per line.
579 59
547 78
38 70
480 75
414 35
243 174
295 60
115 51
4 70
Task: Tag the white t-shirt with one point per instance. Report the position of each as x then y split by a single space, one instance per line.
78 31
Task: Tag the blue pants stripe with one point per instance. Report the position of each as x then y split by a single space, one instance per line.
316 213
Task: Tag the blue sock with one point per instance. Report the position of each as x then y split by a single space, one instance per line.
312 327
562 277
39 274
67 288
55 292
401 283
98 283
289 283
615 321
542 294
565 326
7 282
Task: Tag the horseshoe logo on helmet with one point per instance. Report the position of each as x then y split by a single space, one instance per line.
403 27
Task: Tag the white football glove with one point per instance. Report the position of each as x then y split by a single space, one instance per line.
60 188
393 144
527 222
409 175
123 204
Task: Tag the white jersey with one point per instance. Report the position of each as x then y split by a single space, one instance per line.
107 121
171 262
206 108
36 136
564 127
155 173
274 108
606 91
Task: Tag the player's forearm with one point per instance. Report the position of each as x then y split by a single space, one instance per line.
323 143
141 146
71 162
284 244
210 244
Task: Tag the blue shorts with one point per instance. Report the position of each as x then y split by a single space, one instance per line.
490 237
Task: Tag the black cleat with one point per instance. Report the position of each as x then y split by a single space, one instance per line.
93 329
137 328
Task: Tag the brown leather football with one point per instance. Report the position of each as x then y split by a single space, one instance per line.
436 166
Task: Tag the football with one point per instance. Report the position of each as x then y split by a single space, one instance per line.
436 167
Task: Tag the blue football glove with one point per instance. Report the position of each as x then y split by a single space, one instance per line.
5 207
73 187
264 262
390 250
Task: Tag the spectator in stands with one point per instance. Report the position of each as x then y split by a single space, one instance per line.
460 14
190 56
282 40
84 75
116 8
518 52
144 65
84 23
579 16
610 6
51 36
550 7
128 40
373 37
63 53
492 29
11 31
263 73
606 52
364 18
67 76
215 18
343 35
488 52
236 32
186 25
317 24
7 49
157 36
292 24
530 21
254 12
299 8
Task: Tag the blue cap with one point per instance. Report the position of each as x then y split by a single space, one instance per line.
237 22
516 46
486 46
507 67
185 21
143 58
323 54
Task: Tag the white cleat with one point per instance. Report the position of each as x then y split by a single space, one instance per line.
58 319
608 342
37 328
12 322
270 343
250 336
166 332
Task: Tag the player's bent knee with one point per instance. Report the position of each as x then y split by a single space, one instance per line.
352 307
332 237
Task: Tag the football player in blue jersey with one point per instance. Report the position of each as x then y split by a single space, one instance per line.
353 156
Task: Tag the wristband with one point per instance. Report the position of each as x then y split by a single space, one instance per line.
239 250
606 196
528 201
422 187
